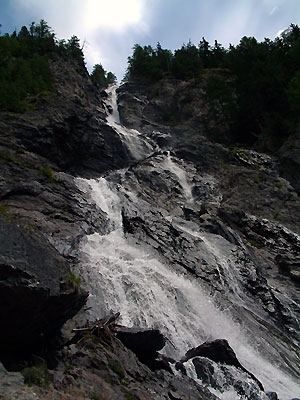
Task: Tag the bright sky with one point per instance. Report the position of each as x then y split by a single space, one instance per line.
110 28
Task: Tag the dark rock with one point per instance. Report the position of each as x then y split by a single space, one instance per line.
180 367
226 236
33 306
12 386
145 343
289 265
217 350
223 377
187 388
290 160
272 395
161 362
220 352
205 371
295 275
70 129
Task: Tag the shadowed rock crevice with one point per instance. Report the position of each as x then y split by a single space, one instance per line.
37 295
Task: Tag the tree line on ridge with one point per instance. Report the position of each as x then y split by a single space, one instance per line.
259 82
24 69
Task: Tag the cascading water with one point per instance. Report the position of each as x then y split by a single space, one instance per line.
138 146
181 175
123 275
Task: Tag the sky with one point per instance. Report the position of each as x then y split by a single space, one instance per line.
108 29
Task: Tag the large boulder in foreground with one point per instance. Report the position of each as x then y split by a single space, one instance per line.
37 294
145 343
218 351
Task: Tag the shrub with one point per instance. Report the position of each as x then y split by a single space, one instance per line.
37 375
47 172
280 184
29 228
117 368
73 278
130 396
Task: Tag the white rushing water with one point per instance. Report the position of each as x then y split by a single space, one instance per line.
181 175
138 146
127 277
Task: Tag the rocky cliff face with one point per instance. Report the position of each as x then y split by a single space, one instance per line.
175 231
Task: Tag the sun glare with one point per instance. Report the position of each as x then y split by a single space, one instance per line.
115 14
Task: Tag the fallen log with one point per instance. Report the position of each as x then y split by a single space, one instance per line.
91 327
107 324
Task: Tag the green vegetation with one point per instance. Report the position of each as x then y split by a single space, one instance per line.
47 172
116 367
280 184
70 282
6 156
256 85
130 396
5 214
256 244
276 215
29 228
94 396
25 74
24 67
73 278
101 77
37 375
3 210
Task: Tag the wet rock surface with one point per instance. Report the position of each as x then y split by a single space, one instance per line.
226 218
218 351
103 366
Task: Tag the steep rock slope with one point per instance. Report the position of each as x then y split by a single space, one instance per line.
200 213
236 198
43 218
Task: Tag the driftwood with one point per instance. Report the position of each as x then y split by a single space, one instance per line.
106 324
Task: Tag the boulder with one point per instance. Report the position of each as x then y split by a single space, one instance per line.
272 395
205 371
37 293
218 351
145 343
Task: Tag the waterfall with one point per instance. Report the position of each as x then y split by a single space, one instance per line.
126 276
138 146
181 176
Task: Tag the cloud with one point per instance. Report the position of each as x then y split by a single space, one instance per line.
107 27
232 21
113 14
274 9
110 28
280 32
